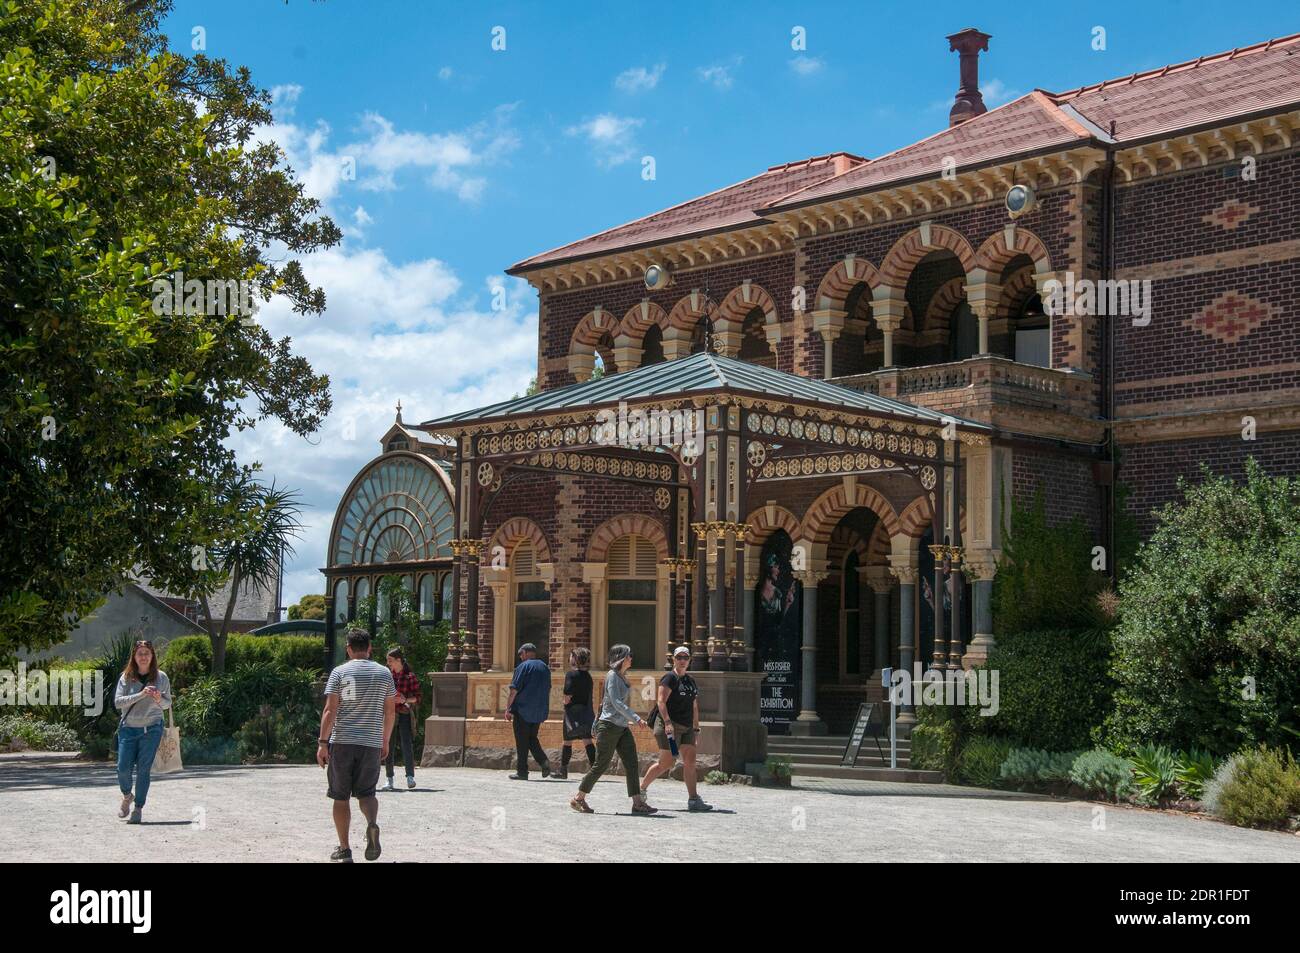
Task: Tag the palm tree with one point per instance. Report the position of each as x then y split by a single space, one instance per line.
265 519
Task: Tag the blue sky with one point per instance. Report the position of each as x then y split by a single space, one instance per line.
468 159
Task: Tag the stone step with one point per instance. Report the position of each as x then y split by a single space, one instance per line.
775 746
864 757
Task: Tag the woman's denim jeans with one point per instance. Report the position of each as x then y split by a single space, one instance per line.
136 748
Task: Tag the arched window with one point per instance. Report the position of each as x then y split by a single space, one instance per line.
397 510
427 608
341 602
531 601
964 333
444 604
754 346
363 592
1033 334
653 346
701 335
632 577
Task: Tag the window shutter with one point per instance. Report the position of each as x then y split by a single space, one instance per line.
525 564
646 558
620 557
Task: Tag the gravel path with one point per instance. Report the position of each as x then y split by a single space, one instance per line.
59 811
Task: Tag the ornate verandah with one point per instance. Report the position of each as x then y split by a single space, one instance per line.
756 427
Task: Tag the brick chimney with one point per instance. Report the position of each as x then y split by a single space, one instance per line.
969 43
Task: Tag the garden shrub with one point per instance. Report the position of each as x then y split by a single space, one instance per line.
36 735
1054 688
1029 766
209 750
980 761
1194 769
189 658
1212 793
1102 773
1154 773
1210 611
217 706
1262 789
280 734
934 741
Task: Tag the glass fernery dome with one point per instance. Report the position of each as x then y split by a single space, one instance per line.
398 510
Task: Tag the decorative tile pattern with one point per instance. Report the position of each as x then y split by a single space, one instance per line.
1230 215
1230 317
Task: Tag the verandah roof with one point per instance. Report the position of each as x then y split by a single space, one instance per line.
700 373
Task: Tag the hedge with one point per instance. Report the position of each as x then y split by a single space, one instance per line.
189 658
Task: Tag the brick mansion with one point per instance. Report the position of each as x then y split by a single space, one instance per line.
1071 292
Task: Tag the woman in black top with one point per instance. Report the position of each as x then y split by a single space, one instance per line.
677 723
578 713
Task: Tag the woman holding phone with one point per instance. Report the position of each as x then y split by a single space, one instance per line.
143 693
614 733
677 727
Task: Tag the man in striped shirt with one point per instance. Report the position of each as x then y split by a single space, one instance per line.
354 729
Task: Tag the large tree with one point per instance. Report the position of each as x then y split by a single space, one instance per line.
123 168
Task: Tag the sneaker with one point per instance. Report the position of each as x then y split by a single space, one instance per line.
581 806
372 842
410 781
697 804
125 807
388 785
341 855
643 808
518 777
135 817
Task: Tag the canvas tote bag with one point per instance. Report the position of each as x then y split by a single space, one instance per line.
168 758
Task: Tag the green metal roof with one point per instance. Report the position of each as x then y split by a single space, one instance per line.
699 373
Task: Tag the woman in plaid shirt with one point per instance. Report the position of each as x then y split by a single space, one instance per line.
408 703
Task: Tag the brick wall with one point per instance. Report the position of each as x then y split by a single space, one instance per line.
1067 483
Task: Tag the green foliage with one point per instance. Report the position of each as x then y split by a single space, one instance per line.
980 761
1045 578
125 165
935 740
1154 773
94 732
1031 766
217 706
196 750
1194 769
717 777
310 606
280 734
780 768
1259 787
1207 649
1054 687
1103 773
26 732
189 658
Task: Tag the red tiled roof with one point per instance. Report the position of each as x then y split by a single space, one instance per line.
726 208
1245 81
1027 124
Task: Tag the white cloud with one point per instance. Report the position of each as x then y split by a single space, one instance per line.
995 93
444 74
806 65
719 74
639 78
284 99
407 331
610 138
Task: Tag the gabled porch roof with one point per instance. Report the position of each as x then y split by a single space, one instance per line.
699 374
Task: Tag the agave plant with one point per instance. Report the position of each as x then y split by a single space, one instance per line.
1155 772
1194 769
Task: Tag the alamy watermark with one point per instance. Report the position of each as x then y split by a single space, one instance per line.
656 427
1104 298
61 686
209 296
977 686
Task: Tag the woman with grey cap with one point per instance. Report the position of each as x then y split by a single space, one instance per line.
614 733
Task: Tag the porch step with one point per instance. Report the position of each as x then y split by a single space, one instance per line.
861 773
810 755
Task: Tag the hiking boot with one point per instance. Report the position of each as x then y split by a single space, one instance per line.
372 842
410 781
135 817
546 769
697 804
341 855
388 785
125 807
643 808
563 773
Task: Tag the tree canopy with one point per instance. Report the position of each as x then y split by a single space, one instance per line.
127 170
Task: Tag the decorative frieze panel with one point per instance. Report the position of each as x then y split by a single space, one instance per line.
624 467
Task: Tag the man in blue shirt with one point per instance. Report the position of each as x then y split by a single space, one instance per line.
527 707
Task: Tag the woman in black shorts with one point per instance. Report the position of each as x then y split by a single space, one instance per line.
578 713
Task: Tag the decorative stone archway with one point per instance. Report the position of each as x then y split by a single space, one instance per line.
629 336
729 319
594 574
594 334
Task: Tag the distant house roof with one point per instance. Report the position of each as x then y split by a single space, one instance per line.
724 209
700 373
1247 81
